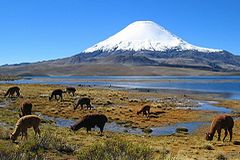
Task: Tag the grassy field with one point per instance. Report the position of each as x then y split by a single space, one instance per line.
119 106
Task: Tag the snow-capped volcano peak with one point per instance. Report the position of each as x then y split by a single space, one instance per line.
145 35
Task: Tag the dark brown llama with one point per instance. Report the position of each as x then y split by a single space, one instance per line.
26 109
83 101
70 90
10 92
90 121
55 93
145 110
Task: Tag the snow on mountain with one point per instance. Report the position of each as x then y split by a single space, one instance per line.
145 35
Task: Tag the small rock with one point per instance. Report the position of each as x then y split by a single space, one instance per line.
208 147
147 130
125 131
181 129
236 142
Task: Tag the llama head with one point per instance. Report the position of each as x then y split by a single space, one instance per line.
13 137
209 136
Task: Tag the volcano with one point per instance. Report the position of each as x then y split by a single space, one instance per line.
142 43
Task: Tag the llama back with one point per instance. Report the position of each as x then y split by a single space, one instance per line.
27 122
222 121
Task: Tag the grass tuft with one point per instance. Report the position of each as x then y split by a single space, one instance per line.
116 149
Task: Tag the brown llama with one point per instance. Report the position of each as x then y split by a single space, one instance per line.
70 90
55 93
90 121
26 109
23 124
83 101
145 110
221 122
10 92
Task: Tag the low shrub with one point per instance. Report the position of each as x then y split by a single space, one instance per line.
35 148
4 134
116 149
48 141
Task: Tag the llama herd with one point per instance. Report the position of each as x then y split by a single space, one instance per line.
27 120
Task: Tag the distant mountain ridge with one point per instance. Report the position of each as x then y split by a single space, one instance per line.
142 43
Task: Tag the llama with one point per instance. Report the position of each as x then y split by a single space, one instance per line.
145 110
90 121
83 101
56 92
221 122
10 92
26 109
23 124
70 90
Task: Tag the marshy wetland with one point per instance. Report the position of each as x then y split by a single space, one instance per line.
162 135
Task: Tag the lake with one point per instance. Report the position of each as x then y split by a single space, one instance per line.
228 86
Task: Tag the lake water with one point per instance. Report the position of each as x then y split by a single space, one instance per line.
228 86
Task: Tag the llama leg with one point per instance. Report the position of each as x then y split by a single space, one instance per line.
88 129
230 133
18 94
81 106
225 134
101 130
37 131
219 134
22 134
148 113
25 134
75 107
89 106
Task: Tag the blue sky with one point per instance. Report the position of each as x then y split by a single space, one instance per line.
33 30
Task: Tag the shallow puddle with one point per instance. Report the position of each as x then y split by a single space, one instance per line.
208 106
3 104
171 129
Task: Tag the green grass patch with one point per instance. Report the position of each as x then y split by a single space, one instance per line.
117 149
